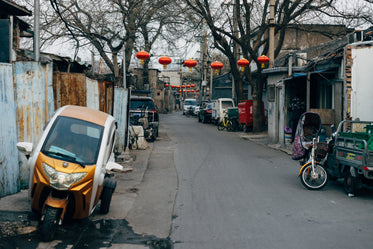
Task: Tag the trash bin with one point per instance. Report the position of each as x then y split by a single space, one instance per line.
245 114
232 112
288 135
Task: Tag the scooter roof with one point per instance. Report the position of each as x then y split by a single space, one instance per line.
85 113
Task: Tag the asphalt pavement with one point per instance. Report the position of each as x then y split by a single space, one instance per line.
144 197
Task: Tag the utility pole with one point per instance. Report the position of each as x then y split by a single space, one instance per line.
36 30
204 80
235 47
124 66
272 33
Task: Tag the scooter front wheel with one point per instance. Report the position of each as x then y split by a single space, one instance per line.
49 225
314 180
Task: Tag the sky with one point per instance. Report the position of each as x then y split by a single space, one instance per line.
191 51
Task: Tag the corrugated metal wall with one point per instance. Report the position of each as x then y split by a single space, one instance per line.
9 165
106 90
34 97
30 92
77 89
69 89
120 114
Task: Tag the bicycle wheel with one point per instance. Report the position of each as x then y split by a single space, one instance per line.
221 126
230 126
314 180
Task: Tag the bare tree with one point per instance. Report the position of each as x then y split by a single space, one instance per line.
244 24
108 26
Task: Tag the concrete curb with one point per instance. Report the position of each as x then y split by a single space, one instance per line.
262 138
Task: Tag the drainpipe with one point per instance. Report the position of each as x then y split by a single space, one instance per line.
308 91
11 57
290 65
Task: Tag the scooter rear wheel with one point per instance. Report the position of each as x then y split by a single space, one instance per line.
49 225
314 181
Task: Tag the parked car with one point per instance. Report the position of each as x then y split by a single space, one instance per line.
204 114
219 108
141 107
189 103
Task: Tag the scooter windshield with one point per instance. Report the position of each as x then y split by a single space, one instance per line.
73 140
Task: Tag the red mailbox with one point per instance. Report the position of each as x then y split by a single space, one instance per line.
245 114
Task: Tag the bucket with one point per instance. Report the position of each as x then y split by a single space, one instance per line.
288 136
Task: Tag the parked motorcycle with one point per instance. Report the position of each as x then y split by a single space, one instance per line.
71 167
310 151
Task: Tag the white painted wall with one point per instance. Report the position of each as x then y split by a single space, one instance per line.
362 81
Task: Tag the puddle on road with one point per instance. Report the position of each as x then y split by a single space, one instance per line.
87 234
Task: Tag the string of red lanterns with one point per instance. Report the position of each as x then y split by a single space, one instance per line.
190 63
217 65
164 60
142 55
243 63
263 60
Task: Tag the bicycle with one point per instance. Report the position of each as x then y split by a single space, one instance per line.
227 123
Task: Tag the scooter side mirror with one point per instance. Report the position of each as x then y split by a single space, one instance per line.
116 167
25 147
332 127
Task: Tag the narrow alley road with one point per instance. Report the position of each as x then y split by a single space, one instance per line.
234 193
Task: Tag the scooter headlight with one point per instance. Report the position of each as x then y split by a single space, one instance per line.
60 180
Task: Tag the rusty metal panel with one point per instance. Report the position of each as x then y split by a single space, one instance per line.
120 114
106 95
34 98
9 166
69 89
92 94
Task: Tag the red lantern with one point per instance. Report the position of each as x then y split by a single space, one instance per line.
164 60
177 87
166 85
183 91
192 91
192 85
188 86
183 86
263 60
190 63
180 91
216 65
172 86
142 55
188 91
197 90
243 63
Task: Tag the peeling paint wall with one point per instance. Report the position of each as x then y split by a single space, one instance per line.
34 98
92 94
9 165
120 114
